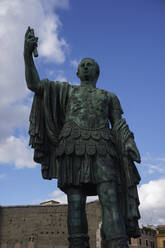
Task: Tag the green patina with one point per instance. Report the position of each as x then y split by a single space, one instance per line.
80 138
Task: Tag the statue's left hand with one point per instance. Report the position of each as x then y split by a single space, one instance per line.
132 151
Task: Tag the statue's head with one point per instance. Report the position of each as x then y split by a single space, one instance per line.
88 70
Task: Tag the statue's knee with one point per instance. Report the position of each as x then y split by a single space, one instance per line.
107 193
76 201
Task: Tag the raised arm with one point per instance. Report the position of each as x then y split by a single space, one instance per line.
31 74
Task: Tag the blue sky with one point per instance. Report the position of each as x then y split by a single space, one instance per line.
127 39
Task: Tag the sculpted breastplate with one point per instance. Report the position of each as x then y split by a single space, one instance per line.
87 107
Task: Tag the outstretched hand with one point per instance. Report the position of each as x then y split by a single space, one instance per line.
31 42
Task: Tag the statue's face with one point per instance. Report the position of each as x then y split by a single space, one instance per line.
87 70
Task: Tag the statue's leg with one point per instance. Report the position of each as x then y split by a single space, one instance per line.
113 226
77 219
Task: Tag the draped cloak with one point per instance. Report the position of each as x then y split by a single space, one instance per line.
47 120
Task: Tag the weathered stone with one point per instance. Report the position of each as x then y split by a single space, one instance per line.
42 226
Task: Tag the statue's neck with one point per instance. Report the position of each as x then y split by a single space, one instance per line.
90 84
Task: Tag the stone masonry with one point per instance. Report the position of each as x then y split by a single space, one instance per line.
43 226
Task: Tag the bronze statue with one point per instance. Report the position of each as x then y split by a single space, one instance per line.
73 141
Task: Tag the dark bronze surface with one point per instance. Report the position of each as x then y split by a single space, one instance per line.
80 138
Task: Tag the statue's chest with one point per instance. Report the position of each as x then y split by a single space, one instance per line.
86 100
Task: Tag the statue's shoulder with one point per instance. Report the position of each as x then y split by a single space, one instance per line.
111 96
75 86
59 84
102 92
46 83
114 102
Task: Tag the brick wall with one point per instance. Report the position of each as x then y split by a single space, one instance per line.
42 226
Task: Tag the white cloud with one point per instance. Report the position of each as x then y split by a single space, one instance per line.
16 151
51 46
57 75
153 168
13 116
15 17
60 76
152 199
58 195
75 83
152 164
75 63
64 4
161 159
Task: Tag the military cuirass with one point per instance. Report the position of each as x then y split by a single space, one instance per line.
87 107
86 126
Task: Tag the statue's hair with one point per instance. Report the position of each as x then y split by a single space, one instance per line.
96 64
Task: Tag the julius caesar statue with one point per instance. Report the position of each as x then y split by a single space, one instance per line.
80 138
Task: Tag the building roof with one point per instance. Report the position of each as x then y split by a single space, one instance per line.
161 227
50 202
